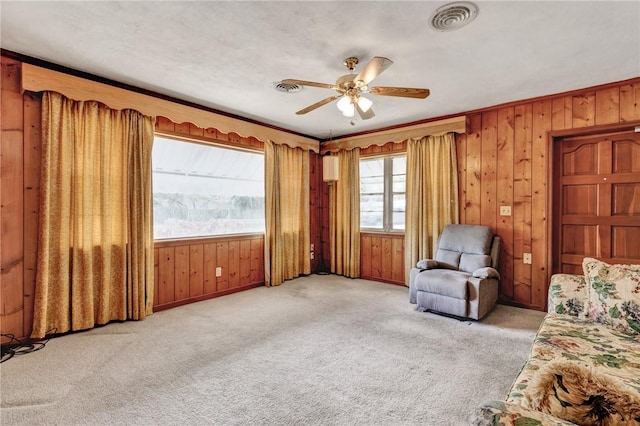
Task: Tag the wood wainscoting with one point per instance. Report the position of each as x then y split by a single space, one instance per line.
185 270
382 257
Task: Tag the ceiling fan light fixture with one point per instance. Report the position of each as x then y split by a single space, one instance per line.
364 103
344 103
350 111
453 16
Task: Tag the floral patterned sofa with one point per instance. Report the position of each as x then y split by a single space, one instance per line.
584 366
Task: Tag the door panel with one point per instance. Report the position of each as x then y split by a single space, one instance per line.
596 200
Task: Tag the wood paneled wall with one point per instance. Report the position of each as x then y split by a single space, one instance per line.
505 160
382 257
19 195
185 270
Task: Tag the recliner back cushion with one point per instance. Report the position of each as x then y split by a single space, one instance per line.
473 239
449 257
471 262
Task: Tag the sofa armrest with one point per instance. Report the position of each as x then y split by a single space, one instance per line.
500 413
568 295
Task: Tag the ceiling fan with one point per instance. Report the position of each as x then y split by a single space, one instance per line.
350 88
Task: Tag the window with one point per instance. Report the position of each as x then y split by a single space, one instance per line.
382 193
203 190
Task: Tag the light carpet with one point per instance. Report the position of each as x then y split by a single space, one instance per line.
318 350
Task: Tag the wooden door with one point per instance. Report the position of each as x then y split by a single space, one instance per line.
596 200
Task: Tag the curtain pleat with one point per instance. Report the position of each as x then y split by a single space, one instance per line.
344 216
431 195
95 242
287 244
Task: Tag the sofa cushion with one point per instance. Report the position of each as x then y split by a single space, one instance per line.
583 394
568 295
614 294
616 353
444 282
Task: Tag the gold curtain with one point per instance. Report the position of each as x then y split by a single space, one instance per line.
287 245
95 238
432 195
344 216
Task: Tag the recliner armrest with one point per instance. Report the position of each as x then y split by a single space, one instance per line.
427 264
486 272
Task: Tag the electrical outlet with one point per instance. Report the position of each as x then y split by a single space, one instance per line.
219 271
526 258
313 247
505 210
312 256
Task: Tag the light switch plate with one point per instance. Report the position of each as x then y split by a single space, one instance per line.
526 258
219 271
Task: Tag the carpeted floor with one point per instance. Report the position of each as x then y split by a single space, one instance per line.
318 350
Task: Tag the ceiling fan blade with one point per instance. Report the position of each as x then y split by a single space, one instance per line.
365 115
309 83
374 68
317 104
404 92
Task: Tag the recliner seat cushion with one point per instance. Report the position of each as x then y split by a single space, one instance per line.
444 282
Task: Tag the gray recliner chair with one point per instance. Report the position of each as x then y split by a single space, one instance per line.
463 278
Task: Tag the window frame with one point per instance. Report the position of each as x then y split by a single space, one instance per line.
388 194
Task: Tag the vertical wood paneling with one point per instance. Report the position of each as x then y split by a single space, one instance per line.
504 177
561 113
244 268
186 270
156 275
257 260
397 258
488 182
461 159
382 257
32 163
315 210
386 250
365 254
222 254
541 125
522 202
630 102
607 106
584 110
474 172
12 200
376 257
234 264
181 274
196 270
210 262
166 271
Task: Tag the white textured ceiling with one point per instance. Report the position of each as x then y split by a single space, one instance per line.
227 55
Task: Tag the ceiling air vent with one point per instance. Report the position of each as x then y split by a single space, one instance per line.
453 16
286 88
